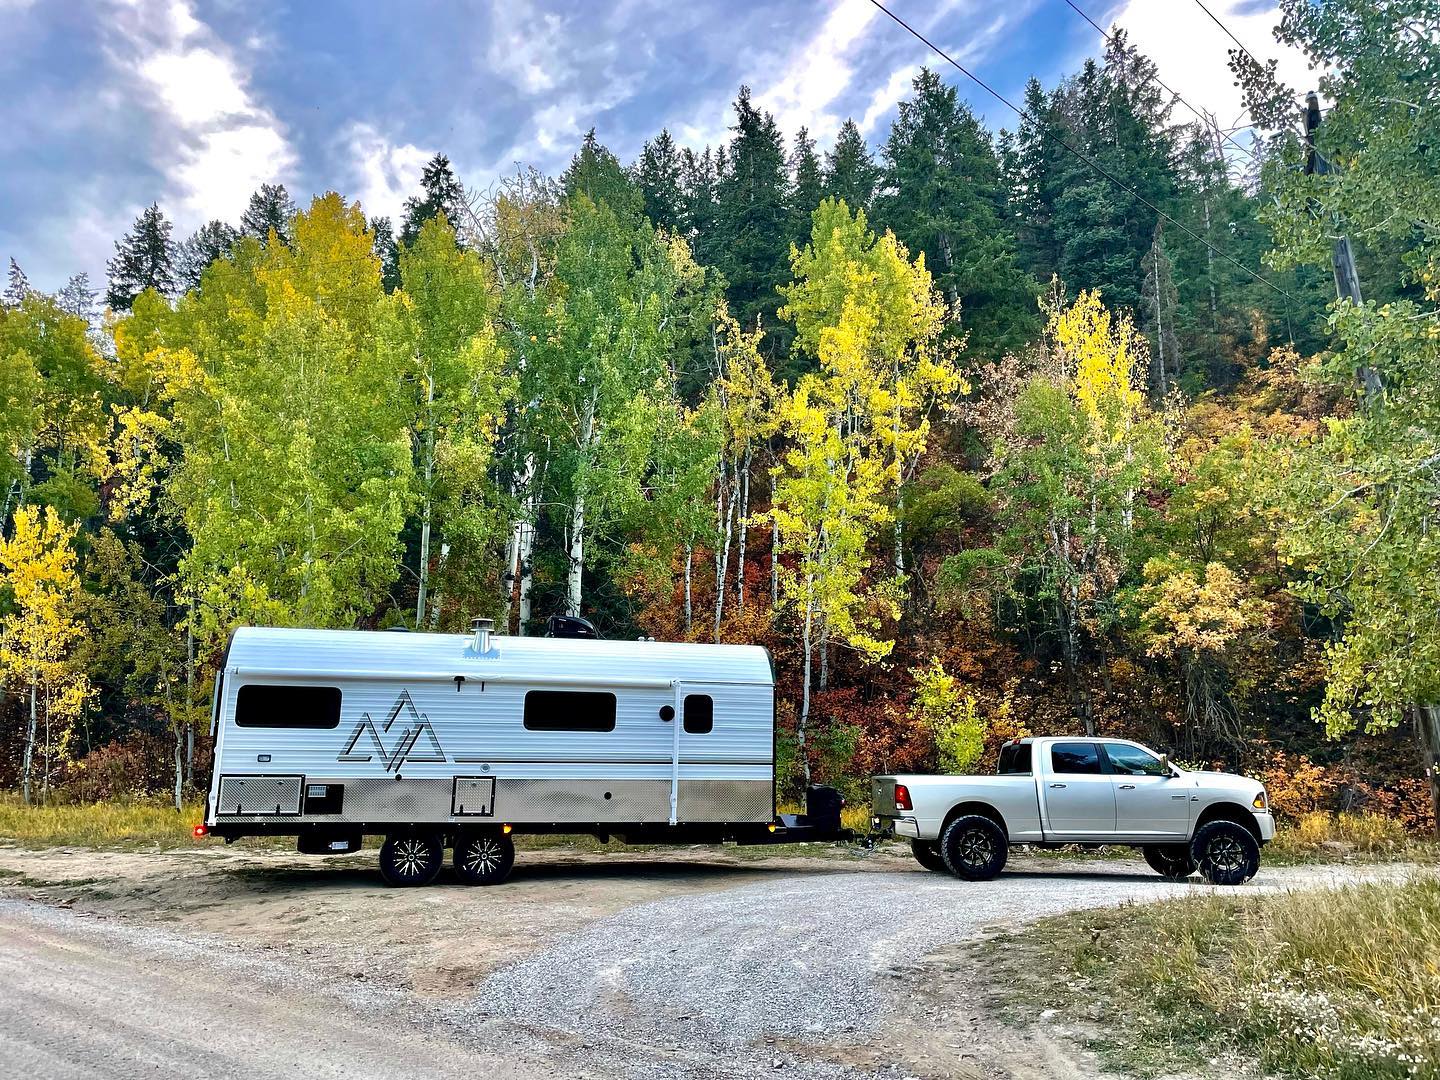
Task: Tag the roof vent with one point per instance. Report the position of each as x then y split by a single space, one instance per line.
570 626
484 630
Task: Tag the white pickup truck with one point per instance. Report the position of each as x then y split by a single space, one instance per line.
1054 792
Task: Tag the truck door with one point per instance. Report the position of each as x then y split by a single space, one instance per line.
1151 802
1077 792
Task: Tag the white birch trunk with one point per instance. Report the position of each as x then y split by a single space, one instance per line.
576 571
774 563
800 728
744 531
427 503
29 764
689 569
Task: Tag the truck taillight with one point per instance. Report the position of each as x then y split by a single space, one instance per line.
902 798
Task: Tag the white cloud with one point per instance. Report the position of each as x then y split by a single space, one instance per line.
819 72
386 173
1191 51
212 140
884 98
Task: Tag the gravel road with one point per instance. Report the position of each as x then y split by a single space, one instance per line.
795 971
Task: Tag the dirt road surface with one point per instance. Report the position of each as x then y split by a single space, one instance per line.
686 964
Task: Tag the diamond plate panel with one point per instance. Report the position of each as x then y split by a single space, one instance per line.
725 800
259 796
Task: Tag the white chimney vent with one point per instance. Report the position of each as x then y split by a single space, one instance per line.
484 629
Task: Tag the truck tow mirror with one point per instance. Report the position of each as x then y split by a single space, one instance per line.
1165 764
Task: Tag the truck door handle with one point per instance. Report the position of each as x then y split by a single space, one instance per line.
1127 787
1057 785
1178 796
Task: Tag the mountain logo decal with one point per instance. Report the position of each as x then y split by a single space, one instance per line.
404 749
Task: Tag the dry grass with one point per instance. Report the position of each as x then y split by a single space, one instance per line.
1337 983
1322 836
101 824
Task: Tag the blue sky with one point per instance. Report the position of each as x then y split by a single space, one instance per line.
106 105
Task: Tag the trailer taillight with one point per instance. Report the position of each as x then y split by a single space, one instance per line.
902 798
200 831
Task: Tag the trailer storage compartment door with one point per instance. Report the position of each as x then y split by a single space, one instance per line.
260 795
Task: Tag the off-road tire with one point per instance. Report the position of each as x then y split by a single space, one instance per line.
408 859
928 855
1225 853
1170 861
484 858
974 848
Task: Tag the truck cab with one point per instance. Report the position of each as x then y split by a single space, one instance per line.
1086 791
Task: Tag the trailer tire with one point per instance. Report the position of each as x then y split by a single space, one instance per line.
974 848
408 859
1173 862
1226 853
484 858
928 855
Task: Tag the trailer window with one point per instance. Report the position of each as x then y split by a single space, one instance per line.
699 714
1075 757
569 710
280 706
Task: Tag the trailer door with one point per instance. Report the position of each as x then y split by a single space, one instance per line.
694 721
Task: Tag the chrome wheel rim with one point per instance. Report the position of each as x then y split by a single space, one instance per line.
412 857
483 856
976 849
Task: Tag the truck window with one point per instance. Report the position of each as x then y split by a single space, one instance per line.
1075 757
1015 760
699 714
569 710
282 706
1132 761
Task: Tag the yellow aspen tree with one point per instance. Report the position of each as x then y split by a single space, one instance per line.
37 638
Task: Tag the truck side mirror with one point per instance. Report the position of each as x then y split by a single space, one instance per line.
1165 764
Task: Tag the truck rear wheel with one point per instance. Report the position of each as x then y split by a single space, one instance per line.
974 848
1170 861
484 858
411 858
928 855
1225 853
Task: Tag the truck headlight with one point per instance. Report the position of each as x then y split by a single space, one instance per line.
1260 802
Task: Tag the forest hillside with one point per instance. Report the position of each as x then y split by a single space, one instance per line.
1052 429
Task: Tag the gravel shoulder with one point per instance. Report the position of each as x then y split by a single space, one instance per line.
688 963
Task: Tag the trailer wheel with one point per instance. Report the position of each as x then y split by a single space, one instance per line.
484 858
974 848
928 855
1170 861
1226 853
411 858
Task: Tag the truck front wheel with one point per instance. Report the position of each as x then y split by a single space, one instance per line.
411 858
974 848
1225 853
927 855
1170 861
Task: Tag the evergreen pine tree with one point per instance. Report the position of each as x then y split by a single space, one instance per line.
597 174
850 171
269 208
78 298
440 192
16 288
698 208
807 185
386 251
211 241
659 174
752 222
943 196
144 259
1029 167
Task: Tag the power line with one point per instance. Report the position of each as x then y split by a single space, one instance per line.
1202 117
1228 34
1078 153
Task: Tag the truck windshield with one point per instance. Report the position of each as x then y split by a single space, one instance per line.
1014 759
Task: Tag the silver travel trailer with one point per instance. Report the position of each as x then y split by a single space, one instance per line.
442 740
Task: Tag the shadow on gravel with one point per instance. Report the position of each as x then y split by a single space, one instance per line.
661 869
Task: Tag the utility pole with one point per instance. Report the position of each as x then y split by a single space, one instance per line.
1342 258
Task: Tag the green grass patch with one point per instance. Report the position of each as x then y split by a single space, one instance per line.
1339 983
